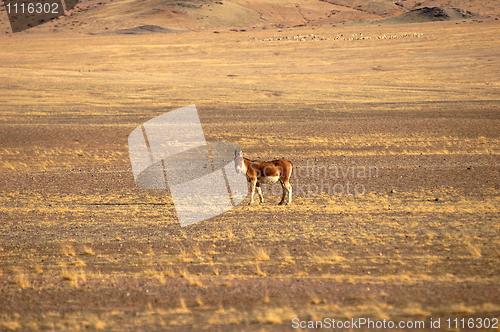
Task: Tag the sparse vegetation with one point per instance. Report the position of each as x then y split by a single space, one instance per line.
258 271
67 250
88 251
22 280
74 277
169 272
260 254
193 281
183 273
84 248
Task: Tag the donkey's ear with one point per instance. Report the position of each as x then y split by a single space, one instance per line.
235 153
241 153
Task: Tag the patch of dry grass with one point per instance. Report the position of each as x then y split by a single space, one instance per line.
37 269
74 277
198 301
95 322
169 272
315 299
329 258
275 315
415 309
22 280
260 254
194 281
183 272
286 256
67 250
184 256
183 308
88 251
259 272
460 308
475 251
156 275
10 325
78 262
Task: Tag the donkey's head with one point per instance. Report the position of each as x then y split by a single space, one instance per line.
239 164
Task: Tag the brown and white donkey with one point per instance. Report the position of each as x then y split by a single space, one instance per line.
266 172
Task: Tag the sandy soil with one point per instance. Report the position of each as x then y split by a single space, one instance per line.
83 248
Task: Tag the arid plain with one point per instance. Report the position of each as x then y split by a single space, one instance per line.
83 248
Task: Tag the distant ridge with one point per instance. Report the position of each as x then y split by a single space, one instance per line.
431 14
142 30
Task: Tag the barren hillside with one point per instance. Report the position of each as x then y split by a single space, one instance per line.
97 16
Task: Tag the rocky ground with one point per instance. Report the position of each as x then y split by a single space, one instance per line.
83 248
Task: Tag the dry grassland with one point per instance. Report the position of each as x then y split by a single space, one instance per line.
83 248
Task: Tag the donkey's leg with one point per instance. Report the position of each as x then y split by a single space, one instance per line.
259 191
253 185
289 189
283 195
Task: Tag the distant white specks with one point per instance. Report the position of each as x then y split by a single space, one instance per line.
406 35
354 37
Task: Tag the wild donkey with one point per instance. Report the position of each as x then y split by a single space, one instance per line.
266 172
